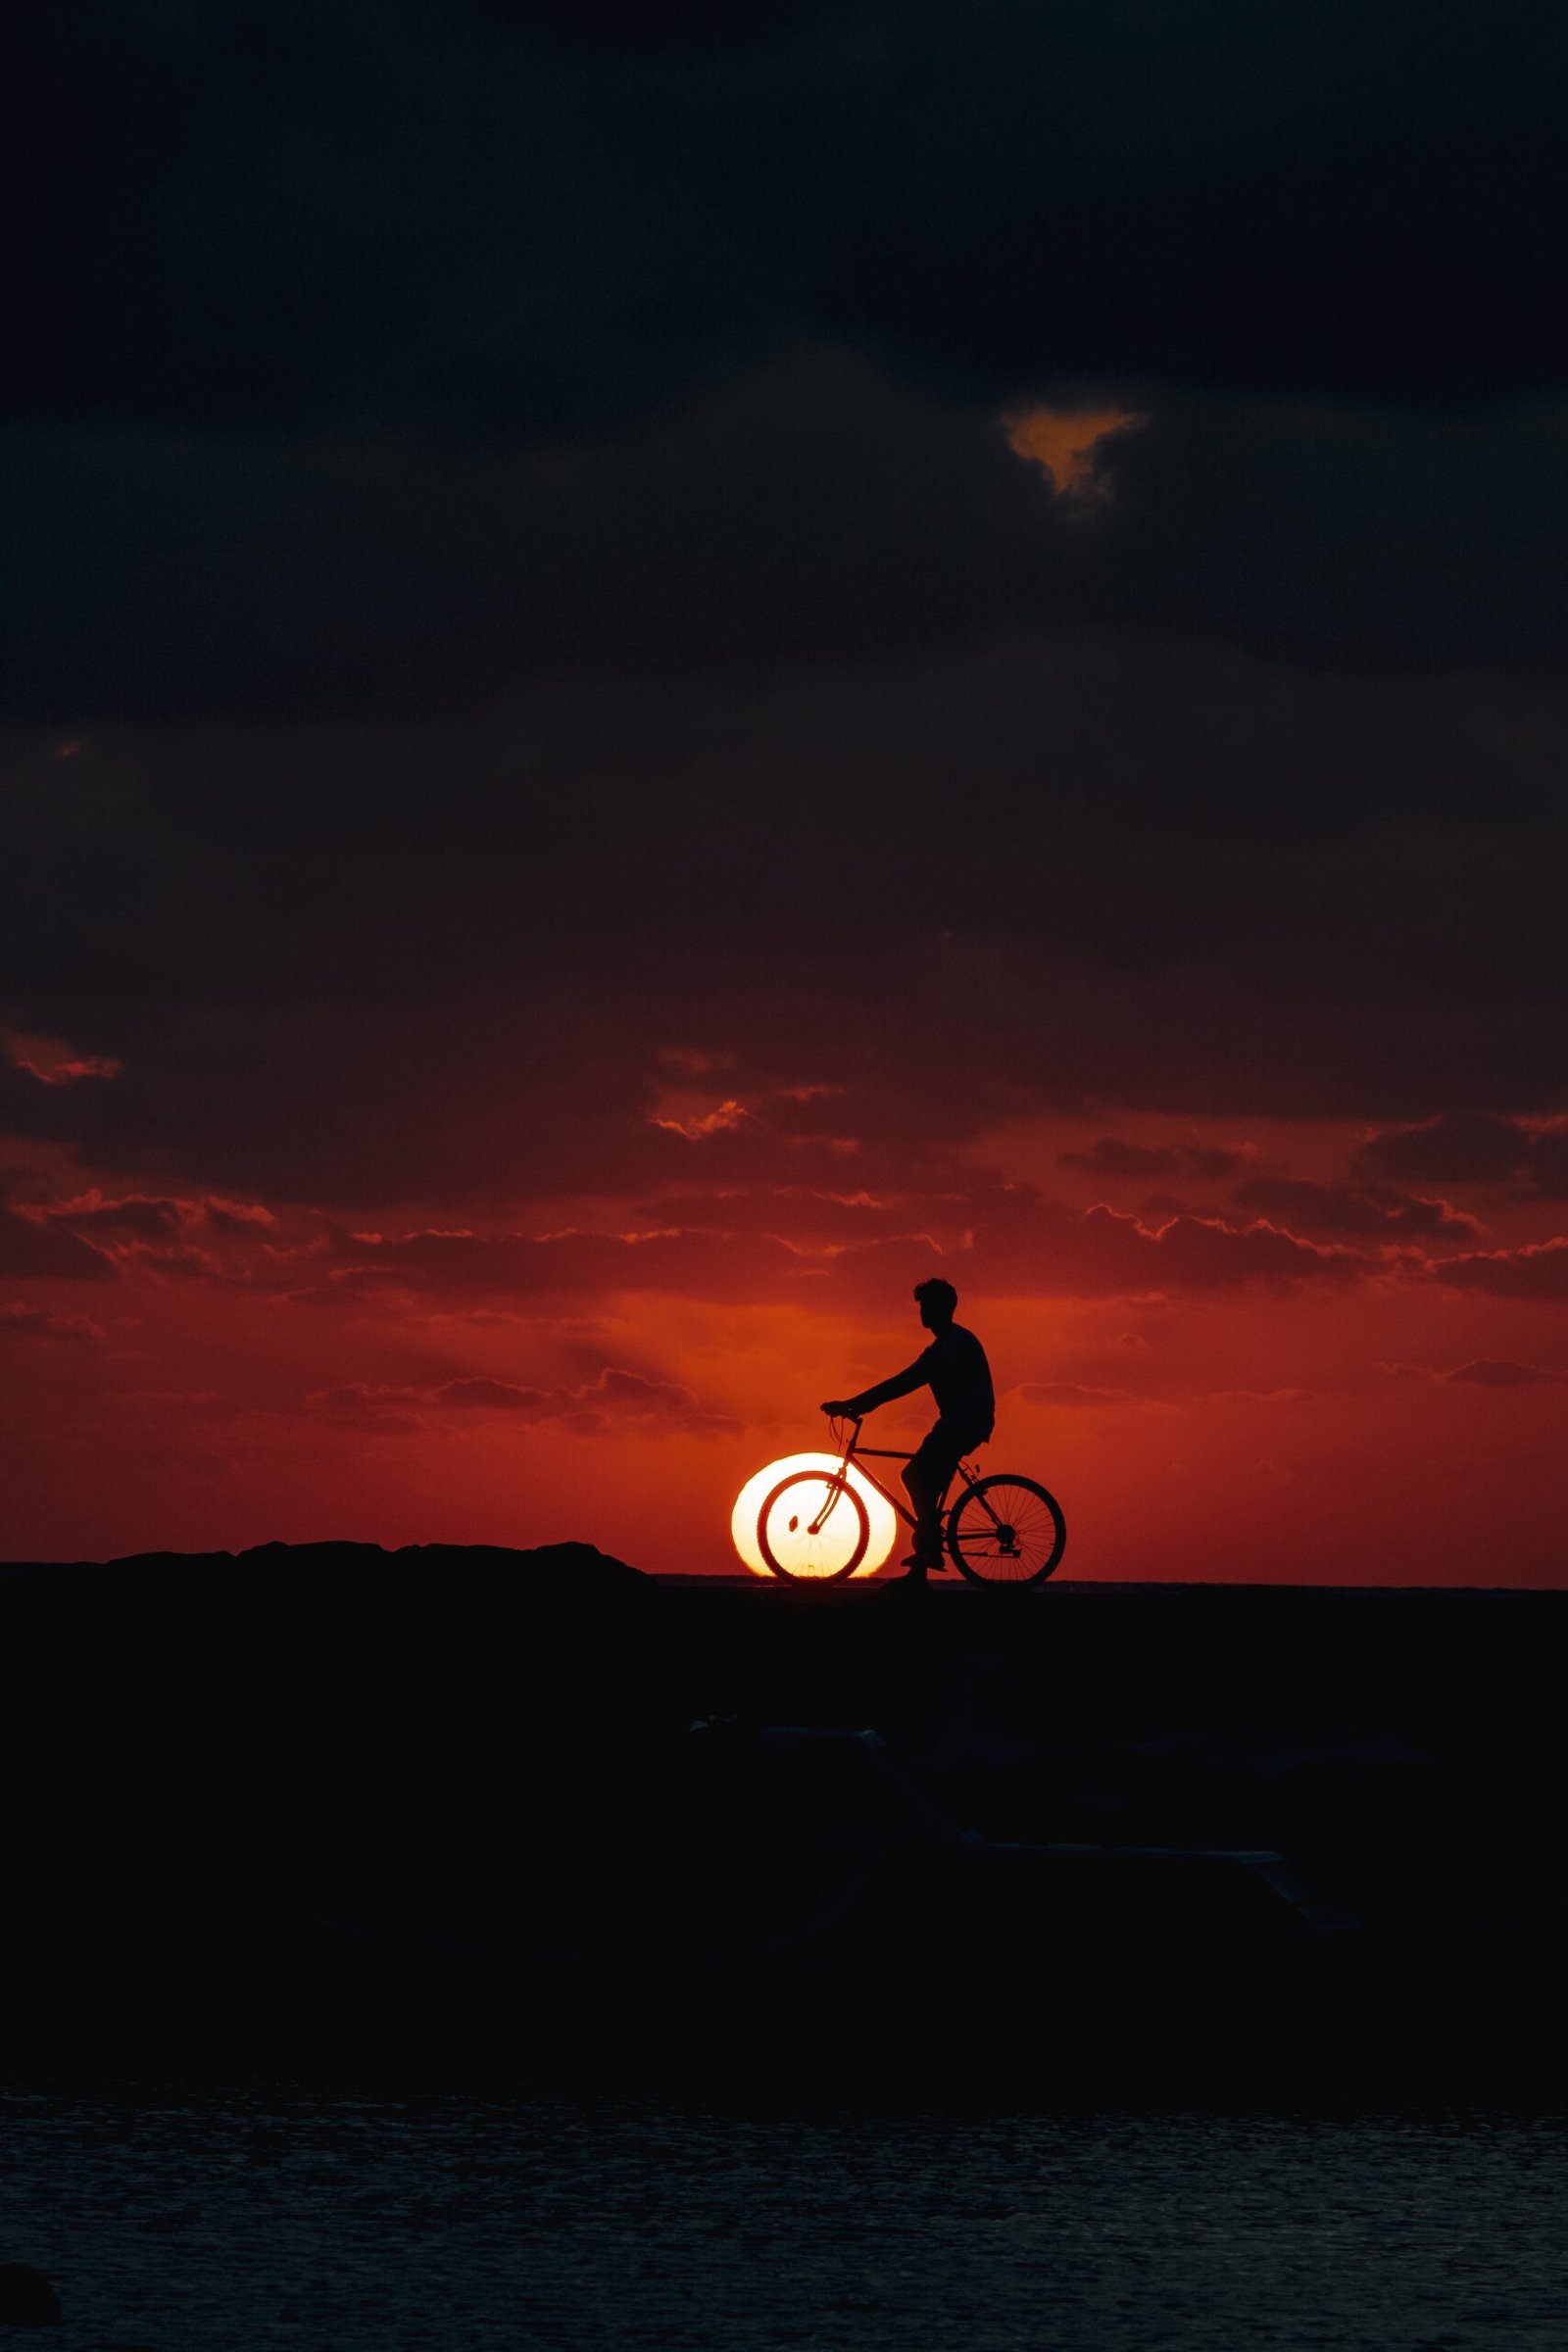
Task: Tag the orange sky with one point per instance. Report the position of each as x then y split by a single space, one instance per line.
1365 1385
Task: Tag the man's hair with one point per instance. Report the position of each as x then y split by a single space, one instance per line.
941 1295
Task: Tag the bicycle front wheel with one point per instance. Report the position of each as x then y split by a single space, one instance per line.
1007 1531
813 1528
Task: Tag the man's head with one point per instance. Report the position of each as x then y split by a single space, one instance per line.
938 1303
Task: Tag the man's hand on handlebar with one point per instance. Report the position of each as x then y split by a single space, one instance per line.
838 1408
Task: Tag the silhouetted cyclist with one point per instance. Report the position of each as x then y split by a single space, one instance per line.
954 1369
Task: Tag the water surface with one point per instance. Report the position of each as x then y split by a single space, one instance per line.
264 2220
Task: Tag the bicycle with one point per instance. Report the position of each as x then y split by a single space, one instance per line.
1003 1529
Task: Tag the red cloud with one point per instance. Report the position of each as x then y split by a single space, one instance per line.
999 1239
1112 1254
138 1217
242 1219
52 1060
1462 1147
18 1321
1022 1246
1376 1211
616 1401
1110 1155
725 1115
849 1250
1538 1270
30 1247
144 1217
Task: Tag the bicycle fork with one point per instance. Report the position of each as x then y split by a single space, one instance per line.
840 1486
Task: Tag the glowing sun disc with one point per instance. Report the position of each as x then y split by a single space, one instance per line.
749 1501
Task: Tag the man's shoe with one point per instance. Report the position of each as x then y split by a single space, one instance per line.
916 1567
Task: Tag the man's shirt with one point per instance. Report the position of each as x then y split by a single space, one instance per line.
954 1369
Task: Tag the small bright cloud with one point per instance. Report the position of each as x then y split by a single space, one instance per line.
1065 444
728 1113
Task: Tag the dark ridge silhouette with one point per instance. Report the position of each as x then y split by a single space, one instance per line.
457 1809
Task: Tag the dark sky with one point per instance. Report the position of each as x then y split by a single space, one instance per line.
544 695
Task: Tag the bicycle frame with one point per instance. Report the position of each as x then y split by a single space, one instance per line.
856 1452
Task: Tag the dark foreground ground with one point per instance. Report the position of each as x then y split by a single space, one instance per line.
474 1815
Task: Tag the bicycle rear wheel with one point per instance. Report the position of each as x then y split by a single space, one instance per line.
1007 1531
813 1528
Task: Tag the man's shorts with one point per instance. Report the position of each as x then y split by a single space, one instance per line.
941 1451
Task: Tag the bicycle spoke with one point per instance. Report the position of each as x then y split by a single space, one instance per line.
1006 1534
815 1528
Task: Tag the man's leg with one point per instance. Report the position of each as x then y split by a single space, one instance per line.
925 1478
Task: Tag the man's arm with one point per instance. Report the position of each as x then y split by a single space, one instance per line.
903 1384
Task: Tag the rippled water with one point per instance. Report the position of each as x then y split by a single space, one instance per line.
269 2221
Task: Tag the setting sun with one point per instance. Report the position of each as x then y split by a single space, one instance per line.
882 1519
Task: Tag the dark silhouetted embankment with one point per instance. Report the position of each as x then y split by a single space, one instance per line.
324 1805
